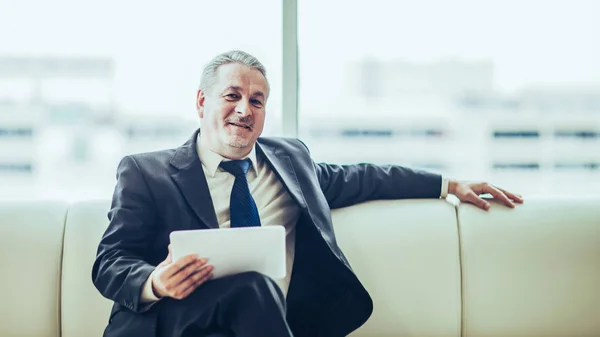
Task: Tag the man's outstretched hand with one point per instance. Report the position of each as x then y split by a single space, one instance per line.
470 192
180 278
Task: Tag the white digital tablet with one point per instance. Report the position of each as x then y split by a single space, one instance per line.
235 250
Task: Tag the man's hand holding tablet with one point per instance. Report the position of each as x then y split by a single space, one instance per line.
178 279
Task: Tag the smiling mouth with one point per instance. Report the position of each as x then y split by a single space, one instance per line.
241 126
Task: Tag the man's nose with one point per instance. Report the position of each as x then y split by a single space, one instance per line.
243 108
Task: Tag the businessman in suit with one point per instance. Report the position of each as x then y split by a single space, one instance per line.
226 176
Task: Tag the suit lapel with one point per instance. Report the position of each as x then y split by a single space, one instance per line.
191 181
283 168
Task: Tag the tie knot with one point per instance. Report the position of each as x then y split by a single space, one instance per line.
236 167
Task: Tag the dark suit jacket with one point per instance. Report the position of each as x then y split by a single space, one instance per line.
159 192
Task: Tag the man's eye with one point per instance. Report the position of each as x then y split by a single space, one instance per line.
256 102
232 96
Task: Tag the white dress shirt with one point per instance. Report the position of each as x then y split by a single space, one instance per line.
275 206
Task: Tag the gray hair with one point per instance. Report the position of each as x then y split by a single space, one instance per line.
209 74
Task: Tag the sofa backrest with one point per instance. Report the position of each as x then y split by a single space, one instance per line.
406 254
432 269
533 270
84 311
31 234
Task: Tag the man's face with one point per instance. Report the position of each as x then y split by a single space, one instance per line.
233 109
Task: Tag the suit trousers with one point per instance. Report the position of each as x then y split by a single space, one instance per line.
243 305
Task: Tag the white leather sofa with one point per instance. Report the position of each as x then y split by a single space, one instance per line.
432 268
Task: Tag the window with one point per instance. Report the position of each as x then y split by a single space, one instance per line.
443 85
466 88
99 81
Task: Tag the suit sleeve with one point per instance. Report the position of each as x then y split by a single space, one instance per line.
346 185
120 270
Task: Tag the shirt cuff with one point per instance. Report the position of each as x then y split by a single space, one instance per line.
444 192
148 295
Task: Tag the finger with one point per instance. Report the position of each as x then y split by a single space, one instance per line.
191 282
477 201
500 196
513 196
178 265
187 291
185 273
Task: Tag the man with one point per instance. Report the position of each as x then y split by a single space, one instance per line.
226 176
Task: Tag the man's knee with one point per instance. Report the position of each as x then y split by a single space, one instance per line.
253 277
248 285
258 283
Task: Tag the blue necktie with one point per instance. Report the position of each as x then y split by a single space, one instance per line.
242 209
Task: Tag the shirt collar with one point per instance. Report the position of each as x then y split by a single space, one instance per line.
211 160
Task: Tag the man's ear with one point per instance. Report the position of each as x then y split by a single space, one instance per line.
200 103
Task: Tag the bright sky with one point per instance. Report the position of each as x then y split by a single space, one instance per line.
160 48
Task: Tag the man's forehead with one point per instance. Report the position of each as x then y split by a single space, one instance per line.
240 77
240 73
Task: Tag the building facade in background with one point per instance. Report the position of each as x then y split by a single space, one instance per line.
62 134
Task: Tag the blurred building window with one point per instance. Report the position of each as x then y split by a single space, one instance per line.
516 166
16 132
16 168
585 166
366 133
577 134
517 134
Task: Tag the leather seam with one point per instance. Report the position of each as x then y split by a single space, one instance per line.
60 268
461 273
